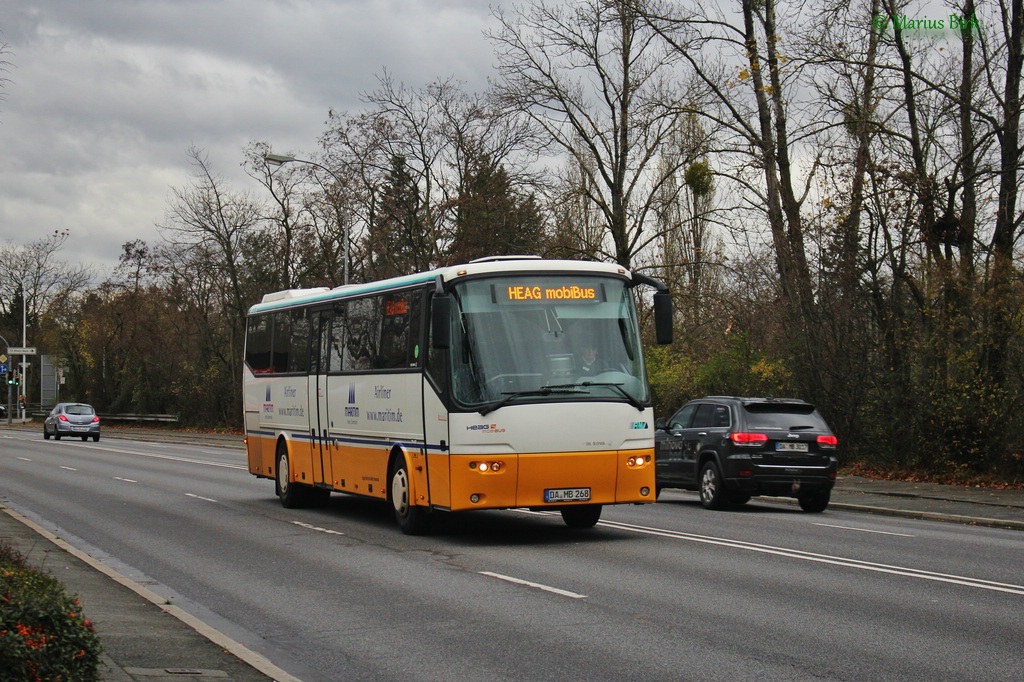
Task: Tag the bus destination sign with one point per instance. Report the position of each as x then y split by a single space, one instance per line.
567 293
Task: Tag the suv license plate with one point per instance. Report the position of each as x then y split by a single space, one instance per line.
791 447
567 494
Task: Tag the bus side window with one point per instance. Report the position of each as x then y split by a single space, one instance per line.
257 344
435 365
299 342
363 330
282 342
337 340
414 357
399 325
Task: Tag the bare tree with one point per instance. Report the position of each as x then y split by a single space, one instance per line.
430 141
209 224
4 68
214 262
33 271
599 86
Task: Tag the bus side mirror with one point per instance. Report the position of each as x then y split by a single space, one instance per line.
663 317
440 321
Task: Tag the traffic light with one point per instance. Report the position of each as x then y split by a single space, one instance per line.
13 379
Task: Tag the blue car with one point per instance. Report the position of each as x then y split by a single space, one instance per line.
72 419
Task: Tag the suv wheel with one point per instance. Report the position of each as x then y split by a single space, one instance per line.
814 502
712 495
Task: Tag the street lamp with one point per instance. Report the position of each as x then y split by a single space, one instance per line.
280 159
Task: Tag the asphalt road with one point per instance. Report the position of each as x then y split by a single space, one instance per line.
665 592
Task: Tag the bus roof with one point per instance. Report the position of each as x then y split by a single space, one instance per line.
494 265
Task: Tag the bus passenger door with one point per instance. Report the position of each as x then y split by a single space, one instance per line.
318 420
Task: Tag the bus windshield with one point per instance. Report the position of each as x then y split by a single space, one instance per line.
545 338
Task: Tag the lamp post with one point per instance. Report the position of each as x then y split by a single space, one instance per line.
23 386
280 159
8 347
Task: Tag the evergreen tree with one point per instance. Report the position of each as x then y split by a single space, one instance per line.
398 239
491 220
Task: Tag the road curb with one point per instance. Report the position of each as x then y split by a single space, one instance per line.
932 516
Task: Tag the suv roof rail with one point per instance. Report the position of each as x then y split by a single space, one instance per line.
755 399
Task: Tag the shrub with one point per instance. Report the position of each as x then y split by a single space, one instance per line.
43 633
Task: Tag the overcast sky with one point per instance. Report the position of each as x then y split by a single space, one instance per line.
105 97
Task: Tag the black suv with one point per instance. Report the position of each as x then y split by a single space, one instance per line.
730 449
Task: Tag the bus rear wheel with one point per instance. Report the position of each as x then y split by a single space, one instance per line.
292 494
584 516
411 518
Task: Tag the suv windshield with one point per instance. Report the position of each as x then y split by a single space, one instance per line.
545 338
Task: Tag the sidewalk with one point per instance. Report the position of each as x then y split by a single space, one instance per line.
147 640
144 638
958 504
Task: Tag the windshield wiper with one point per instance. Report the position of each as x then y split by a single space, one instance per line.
512 395
630 398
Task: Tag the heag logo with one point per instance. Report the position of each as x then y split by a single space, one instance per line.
485 428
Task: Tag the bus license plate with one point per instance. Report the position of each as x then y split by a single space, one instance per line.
567 495
791 447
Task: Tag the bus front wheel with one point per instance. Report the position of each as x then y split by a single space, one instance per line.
411 519
584 516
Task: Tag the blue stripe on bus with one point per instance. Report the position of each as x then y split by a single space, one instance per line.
303 436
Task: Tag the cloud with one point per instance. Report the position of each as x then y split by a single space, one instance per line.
106 96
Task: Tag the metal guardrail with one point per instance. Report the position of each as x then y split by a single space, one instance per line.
35 412
140 417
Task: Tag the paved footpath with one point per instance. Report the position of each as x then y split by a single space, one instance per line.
148 640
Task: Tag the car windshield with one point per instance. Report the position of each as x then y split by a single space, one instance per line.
784 417
545 338
79 409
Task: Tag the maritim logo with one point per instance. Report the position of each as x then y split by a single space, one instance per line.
351 410
268 407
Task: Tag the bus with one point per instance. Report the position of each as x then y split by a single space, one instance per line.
457 389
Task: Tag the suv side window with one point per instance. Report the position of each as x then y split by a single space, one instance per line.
722 416
711 416
682 418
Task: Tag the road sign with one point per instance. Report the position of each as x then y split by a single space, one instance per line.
22 350
4 369
3 358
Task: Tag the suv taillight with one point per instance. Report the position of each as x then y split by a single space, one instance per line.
748 440
828 442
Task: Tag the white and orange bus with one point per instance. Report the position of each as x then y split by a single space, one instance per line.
457 389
